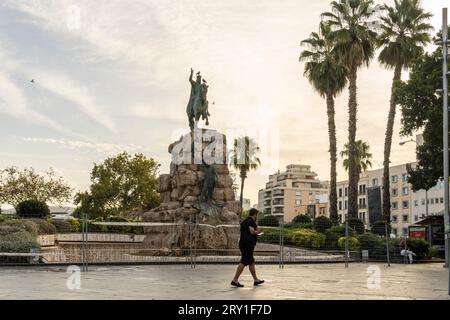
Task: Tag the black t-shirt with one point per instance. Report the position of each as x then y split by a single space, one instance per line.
248 239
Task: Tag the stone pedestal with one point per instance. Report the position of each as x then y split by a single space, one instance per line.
180 192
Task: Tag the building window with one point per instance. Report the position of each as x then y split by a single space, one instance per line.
405 231
405 218
442 200
394 205
394 179
394 192
310 193
416 218
345 204
422 202
436 200
405 204
405 191
394 231
416 203
432 200
374 182
346 191
404 177
362 216
298 203
298 193
340 205
340 192
394 218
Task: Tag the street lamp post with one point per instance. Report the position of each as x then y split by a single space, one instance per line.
445 43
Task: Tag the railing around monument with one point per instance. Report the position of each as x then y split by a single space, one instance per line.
106 242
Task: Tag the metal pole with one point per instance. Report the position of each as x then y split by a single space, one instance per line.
346 241
387 243
426 202
282 247
190 240
445 132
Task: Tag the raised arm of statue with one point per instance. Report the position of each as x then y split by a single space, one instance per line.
190 77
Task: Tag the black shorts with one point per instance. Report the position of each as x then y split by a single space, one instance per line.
247 255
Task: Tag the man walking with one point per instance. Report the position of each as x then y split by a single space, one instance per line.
247 243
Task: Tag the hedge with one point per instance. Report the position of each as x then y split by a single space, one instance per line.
16 239
353 243
32 209
302 218
308 238
322 223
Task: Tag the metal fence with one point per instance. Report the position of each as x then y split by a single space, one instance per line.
109 242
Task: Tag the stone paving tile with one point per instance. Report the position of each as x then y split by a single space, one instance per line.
306 281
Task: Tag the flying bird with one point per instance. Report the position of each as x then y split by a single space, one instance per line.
32 81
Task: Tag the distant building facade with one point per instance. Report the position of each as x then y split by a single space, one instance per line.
292 192
407 206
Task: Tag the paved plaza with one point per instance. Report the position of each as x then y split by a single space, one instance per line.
296 281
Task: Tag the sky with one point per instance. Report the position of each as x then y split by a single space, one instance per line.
112 75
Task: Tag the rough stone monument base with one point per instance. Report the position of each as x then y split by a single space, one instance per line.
213 225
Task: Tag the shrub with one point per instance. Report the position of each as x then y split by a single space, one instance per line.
16 239
357 225
75 225
378 228
23 224
62 226
370 241
308 238
268 221
302 218
420 247
44 226
296 225
332 236
32 209
322 223
272 235
353 243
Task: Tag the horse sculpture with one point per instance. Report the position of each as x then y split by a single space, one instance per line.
198 104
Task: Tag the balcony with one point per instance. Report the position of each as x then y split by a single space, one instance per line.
266 203
268 211
278 202
362 206
267 194
278 210
278 193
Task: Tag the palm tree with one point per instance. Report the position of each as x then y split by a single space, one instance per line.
355 46
328 77
404 33
363 157
244 158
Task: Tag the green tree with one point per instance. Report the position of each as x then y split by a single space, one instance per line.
328 77
404 34
32 209
322 223
351 22
121 185
422 110
17 186
244 157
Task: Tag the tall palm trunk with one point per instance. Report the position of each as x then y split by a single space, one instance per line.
352 166
333 158
243 175
387 147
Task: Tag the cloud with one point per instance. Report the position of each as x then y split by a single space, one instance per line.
14 103
105 148
62 85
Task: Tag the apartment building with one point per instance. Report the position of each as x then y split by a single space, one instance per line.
370 198
292 192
